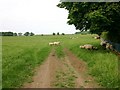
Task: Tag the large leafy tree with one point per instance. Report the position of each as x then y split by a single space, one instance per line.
97 17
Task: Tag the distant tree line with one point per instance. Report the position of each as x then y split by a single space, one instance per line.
58 33
16 34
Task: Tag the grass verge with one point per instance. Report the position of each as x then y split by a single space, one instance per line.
19 68
103 65
59 51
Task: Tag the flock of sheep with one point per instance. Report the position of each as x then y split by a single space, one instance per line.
103 43
88 46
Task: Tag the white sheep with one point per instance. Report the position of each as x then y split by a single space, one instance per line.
103 43
109 46
56 43
82 47
51 43
97 37
88 46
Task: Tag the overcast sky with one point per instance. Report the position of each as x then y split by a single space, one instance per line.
37 16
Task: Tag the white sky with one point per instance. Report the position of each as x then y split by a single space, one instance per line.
37 16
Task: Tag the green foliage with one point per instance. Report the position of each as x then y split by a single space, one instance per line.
104 35
96 16
85 32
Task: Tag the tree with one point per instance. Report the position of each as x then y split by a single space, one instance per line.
27 34
57 33
53 33
98 17
63 34
32 34
14 34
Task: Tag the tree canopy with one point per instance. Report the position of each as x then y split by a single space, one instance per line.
28 34
98 17
6 33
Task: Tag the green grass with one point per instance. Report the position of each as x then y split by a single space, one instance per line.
65 79
103 64
20 56
19 60
59 51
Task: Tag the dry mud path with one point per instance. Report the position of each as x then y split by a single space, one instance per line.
67 72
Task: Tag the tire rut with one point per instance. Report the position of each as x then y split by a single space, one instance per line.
83 80
45 73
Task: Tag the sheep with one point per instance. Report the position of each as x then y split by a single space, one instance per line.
97 37
109 46
103 43
89 47
51 43
82 47
56 43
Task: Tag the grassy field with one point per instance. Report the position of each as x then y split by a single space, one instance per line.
20 55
